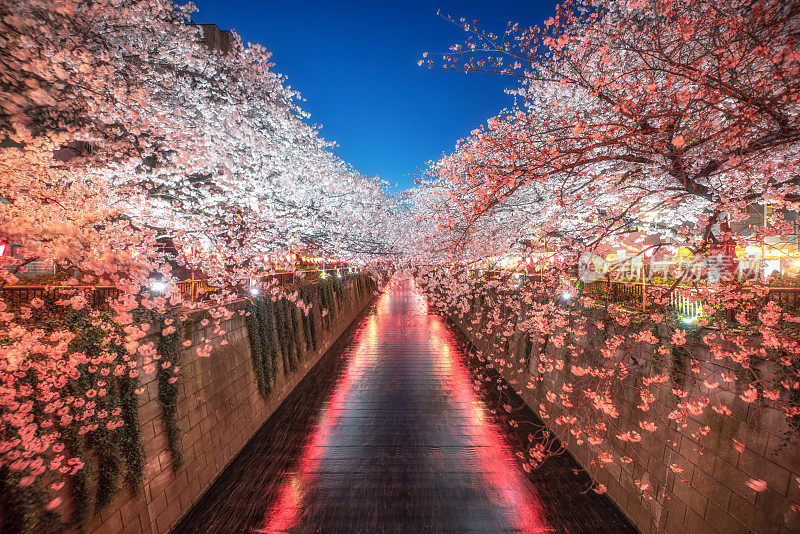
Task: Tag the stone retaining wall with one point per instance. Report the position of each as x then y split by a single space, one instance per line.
711 495
219 409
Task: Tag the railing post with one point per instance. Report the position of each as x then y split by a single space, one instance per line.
644 294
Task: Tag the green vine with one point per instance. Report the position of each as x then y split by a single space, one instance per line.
120 452
528 349
283 337
291 335
271 336
323 299
129 434
254 318
23 509
297 338
273 344
306 320
678 365
275 331
107 448
81 481
169 348
312 326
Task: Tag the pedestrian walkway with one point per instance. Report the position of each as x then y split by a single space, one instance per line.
389 434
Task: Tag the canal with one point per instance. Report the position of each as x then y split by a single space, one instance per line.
395 431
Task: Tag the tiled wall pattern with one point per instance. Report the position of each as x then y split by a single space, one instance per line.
711 495
219 409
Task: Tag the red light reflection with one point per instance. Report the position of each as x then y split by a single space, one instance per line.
402 311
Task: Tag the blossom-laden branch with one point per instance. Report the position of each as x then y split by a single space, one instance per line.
629 105
122 130
643 126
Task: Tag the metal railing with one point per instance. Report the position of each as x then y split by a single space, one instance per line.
96 296
190 290
687 301
786 297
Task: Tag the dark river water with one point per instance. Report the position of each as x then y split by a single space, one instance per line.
393 432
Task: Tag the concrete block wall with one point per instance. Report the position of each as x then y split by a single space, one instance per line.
219 409
711 495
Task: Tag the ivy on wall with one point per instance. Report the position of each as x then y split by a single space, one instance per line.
274 332
297 333
253 319
283 335
23 509
118 452
306 321
331 297
114 458
290 336
328 302
265 334
106 446
273 344
81 482
89 338
263 342
277 329
169 347
129 434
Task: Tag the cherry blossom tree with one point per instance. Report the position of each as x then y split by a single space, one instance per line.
647 123
120 127
207 145
682 109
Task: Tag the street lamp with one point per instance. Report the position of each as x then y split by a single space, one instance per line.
158 286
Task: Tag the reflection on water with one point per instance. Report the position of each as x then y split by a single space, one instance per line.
387 434
403 443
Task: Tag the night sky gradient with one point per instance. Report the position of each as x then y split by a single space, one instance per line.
356 65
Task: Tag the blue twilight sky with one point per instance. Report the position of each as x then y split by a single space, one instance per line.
355 63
